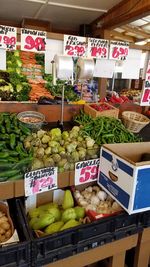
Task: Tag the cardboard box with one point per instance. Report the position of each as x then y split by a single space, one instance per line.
112 112
124 176
6 190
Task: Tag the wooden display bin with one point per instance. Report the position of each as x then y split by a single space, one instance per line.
112 112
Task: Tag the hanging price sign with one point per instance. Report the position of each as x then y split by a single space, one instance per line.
33 41
118 50
41 180
145 99
8 37
75 46
86 171
98 48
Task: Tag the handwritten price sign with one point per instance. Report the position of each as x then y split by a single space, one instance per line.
8 37
86 171
33 41
145 99
75 46
98 48
118 50
39 181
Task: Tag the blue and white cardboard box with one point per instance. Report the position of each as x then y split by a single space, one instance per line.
124 177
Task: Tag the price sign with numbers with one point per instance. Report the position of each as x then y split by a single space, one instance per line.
75 46
86 171
145 99
41 180
33 41
118 50
98 48
8 37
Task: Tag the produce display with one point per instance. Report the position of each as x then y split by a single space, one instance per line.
105 130
51 218
56 90
95 199
53 148
5 228
101 107
130 92
14 158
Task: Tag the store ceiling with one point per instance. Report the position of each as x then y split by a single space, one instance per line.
64 14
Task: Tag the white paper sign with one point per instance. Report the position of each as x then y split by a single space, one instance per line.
33 40
104 68
86 171
8 37
41 180
75 46
131 66
145 99
118 50
53 47
2 59
98 48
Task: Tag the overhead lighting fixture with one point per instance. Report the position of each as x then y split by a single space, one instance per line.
143 42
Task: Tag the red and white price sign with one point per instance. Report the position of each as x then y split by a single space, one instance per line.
86 171
98 48
145 99
8 37
41 180
118 50
75 46
33 41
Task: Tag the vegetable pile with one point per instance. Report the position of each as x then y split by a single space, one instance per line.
56 90
53 148
14 159
5 227
95 199
101 107
105 130
51 218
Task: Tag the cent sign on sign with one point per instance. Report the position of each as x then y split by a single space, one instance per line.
41 180
86 171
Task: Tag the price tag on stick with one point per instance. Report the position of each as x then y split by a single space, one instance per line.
8 37
33 41
41 180
118 50
98 48
75 46
86 171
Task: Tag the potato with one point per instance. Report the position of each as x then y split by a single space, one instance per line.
3 219
8 234
2 238
5 225
1 214
2 231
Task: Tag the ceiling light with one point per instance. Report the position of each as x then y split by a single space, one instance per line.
143 42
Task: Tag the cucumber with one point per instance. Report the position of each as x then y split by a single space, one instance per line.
9 173
22 163
4 155
3 179
11 152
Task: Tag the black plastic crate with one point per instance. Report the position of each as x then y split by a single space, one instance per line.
18 254
146 219
124 220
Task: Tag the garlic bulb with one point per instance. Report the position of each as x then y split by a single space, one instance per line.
77 194
89 189
95 200
96 188
90 207
101 195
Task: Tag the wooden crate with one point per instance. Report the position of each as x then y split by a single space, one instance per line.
113 112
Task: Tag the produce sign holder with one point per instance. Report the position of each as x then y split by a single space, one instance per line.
110 112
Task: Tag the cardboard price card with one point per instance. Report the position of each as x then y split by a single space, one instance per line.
8 37
33 41
86 171
98 48
145 99
118 50
75 46
41 180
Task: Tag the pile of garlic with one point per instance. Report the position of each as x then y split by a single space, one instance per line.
94 198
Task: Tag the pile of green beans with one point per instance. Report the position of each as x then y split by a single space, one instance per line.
106 130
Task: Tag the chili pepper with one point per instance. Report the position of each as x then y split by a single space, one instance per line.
12 140
24 129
